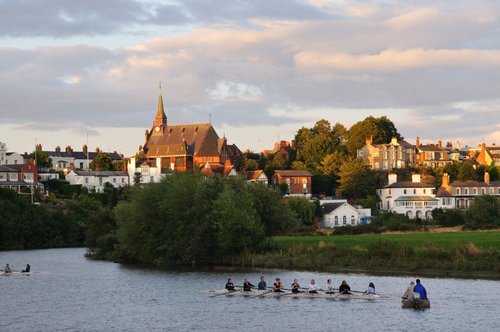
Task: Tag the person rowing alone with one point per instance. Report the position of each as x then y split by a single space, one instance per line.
277 286
344 288
247 285
229 285
313 288
262 284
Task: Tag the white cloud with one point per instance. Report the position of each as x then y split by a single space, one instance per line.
225 90
71 79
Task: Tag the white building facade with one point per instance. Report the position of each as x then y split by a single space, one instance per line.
95 180
339 213
145 172
413 198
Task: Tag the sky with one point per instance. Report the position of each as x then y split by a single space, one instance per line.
88 71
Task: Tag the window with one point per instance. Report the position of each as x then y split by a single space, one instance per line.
352 220
86 180
414 191
114 180
151 179
458 191
336 220
123 180
425 191
404 191
344 220
466 191
475 191
483 191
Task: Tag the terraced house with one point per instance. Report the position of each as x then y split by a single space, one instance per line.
393 155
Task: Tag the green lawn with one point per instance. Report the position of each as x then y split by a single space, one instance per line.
483 240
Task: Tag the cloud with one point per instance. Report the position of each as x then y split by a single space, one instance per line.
231 90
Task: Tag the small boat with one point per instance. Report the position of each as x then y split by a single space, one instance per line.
319 295
15 273
415 303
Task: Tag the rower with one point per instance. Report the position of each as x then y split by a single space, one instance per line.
247 285
313 288
229 285
420 289
277 286
370 289
344 288
329 287
262 284
27 270
295 286
7 269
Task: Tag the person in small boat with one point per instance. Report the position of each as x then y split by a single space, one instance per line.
420 289
329 287
262 284
229 285
247 285
344 288
277 286
7 269
295 286
27 269
370 289
313 288
408 294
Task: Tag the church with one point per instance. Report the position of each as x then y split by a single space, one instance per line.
182 148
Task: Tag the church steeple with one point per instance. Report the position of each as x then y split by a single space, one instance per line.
160 118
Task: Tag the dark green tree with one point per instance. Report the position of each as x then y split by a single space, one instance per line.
357 180
42 160
102 162
380 130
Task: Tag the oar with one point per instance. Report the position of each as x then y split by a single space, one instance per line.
262 294
225 293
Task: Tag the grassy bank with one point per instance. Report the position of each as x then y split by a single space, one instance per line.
459 254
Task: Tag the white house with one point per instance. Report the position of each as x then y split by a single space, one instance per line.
147 171
14 158
257 176
95 180
411 198
339 213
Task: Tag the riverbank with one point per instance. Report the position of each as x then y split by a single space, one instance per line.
455 254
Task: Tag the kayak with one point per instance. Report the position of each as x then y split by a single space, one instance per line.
307 295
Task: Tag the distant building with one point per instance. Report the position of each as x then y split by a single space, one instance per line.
339 213
3 151
181 148
413 198
393 155
257 176
298 182
19 177
461 194
95 180
489 155
13 158
431 155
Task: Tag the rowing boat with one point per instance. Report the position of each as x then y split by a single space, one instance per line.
15 273
262 293
416 303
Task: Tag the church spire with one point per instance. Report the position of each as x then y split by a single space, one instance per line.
160 118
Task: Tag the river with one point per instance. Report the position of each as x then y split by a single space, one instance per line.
68 292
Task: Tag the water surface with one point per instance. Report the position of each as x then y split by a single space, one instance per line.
68 292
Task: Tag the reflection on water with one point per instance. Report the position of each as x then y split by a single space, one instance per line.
70 293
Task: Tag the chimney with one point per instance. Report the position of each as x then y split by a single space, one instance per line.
97 150
146 134
415 178
417 142
69 149
440 143
394 140
392 178
487 177
445 182
38 147
58 149
85 148
368 140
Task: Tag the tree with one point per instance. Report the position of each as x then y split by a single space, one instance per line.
381 130
304 209
357 180
250 164
466 172
484 212
42 160
102 162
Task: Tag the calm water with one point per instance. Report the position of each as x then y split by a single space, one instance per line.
71 293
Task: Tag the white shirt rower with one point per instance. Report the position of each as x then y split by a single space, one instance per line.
313 288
